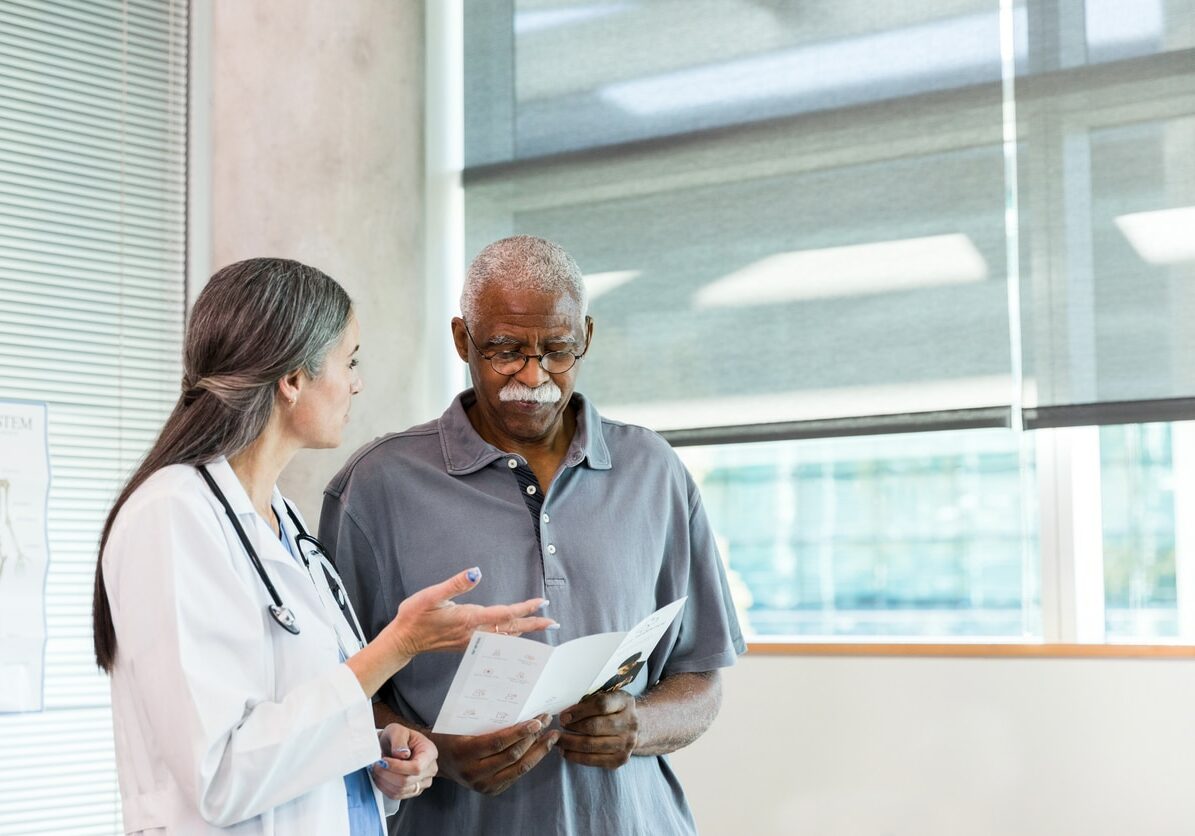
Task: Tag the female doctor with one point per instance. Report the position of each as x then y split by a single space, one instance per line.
241 683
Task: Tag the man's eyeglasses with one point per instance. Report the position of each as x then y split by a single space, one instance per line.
511 362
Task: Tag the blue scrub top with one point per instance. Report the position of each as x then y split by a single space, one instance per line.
358 787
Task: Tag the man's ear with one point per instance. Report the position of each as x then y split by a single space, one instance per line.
460 338
588 331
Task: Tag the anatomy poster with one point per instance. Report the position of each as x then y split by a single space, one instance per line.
24 553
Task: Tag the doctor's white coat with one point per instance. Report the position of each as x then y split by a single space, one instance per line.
225 722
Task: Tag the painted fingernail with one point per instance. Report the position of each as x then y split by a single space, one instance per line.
544 605
402 753
553 626
381 764
474 575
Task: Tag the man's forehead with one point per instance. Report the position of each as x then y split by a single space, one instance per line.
516 310
514 328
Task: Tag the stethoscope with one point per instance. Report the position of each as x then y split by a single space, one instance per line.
281 613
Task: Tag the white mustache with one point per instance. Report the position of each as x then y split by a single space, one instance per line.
547 392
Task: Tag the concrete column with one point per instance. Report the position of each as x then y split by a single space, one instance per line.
316 128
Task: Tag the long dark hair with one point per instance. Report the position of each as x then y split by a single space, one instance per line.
255 322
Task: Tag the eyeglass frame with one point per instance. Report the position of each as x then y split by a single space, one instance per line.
539 358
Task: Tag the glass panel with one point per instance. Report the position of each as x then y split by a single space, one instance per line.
591 73
921 535
1142 222
1120 29
864 290
1138 474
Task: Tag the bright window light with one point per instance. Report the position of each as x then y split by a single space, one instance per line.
599 284
1112 23
967 47
539 20
854 270
1166 236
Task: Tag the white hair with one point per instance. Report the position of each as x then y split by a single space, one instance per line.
523 262
546 392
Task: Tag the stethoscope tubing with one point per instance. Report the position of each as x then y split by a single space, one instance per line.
278 611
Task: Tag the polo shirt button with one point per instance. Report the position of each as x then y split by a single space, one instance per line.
531 490
551 549
546 518
512 463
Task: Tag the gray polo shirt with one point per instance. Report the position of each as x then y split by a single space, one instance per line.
620 532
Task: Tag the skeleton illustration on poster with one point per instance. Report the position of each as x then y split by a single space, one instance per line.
24 553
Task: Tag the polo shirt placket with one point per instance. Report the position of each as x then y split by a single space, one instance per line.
535 498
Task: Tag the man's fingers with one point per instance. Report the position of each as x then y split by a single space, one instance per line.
485 745
594 706
598 726
534 754
511 754
587 744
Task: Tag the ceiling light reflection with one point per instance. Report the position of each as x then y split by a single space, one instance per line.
854 270
1165 236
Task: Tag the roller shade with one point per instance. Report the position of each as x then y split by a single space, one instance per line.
831 216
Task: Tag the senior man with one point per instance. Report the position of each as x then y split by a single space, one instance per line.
522 477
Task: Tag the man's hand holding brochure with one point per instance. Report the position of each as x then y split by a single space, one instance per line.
503 680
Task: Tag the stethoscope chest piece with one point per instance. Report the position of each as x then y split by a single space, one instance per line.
285 618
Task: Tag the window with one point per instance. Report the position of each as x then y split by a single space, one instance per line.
929 534
908 287
92 239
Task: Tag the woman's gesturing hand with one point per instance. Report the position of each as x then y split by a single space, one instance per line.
431 620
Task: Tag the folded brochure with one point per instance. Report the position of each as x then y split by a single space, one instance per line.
503 680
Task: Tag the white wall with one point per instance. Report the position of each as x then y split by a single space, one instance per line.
316 138
948 747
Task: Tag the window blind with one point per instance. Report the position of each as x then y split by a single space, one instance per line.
833 216
92 243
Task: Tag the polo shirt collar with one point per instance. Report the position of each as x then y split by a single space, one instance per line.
467 452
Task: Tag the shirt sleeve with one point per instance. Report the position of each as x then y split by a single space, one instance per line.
709 636
195 650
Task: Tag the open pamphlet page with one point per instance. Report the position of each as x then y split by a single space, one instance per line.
503 680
